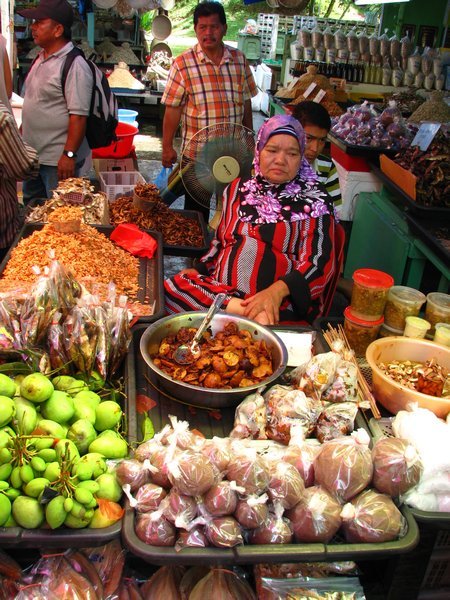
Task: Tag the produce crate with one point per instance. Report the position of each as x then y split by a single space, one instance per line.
151 287
403 178
119 183
219 423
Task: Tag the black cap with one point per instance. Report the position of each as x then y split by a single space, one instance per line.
58 10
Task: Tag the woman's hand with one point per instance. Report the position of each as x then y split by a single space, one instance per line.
266 302
190 271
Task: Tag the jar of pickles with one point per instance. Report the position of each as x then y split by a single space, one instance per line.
369 294
402 302
360 332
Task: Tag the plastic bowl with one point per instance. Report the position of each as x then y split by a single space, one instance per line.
122 147
393 395
128 116
209 397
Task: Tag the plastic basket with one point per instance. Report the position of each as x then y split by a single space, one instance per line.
122 146
119 183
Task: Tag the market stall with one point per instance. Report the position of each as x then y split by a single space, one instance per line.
277 461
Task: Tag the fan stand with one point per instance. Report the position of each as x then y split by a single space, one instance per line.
225 170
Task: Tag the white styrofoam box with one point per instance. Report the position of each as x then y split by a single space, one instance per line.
119 183
265 103
114 164
256 101
263 77
352 184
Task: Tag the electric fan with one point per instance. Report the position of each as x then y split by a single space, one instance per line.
213 158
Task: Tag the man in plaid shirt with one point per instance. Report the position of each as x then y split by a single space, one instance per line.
208 84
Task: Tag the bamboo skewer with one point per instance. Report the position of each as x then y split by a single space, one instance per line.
332 335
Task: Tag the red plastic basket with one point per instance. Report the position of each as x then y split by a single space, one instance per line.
122 147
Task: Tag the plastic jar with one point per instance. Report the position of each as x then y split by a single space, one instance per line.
360 332
370 289
437 309
416 327
387 331
402 302
442 334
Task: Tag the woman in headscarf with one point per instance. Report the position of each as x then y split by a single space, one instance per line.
272 253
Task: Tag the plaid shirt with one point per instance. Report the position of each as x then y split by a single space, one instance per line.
209 93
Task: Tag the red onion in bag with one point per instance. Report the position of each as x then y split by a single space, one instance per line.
249 471
191 473
182 437
252 512
396 466
218 452
371 517
286 485
179 509
317 517
302 457
223 532
133 472
221 499
276 530
155 530
161 459
148 497
344 465
193 538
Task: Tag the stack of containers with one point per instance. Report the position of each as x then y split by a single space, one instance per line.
364 317
437 310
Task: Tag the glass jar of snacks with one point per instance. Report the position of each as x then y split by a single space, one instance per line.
370 289
360 332
402 302
437 309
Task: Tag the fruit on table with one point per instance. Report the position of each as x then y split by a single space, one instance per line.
7 386
27 512
82 434
36 387
107 415
111 444
7 410
26 415
59 407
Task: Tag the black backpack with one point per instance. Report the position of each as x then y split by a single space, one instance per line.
102 120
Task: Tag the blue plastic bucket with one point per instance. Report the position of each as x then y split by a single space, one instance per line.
127 116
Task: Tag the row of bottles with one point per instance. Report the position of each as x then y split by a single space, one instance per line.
351 71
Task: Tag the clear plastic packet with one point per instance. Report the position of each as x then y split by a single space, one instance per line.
128 588
345 385
37 312
305 37
316 37
248 470
340 40
395 46
148 498
160 458
250 418
363 43
252 512
119 334
277 529
344 465
344 588
321 369
192 538
372 517
328 38
426 64
286 485
302 455
109 561
406 46
336 421
164 583
221 499
182 437
397 466
68 290
103 345
385 43
59 360
390 114
133 472
10 325
221 583
80 338
191 473
154 529
179 509
352 41
317 518
217 450
190 580
288 407
374 44
223 532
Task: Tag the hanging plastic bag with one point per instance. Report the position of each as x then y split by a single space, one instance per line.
162 178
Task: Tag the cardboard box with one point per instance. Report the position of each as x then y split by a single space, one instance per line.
102 165
402 178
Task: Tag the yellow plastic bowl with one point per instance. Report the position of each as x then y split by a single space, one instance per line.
393 395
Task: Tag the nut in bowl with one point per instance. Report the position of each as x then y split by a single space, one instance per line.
211 397
394 395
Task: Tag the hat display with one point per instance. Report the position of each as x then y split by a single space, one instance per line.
58 10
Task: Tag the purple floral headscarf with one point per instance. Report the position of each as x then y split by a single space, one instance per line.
300 198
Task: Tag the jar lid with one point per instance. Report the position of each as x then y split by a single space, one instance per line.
372 278
348 314
392 330
440 299
407 294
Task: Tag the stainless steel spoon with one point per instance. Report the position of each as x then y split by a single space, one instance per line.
187 353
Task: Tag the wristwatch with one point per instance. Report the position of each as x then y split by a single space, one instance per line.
69 153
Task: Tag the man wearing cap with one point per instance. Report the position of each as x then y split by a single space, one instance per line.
53 121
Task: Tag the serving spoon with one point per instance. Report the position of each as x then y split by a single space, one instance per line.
188 353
